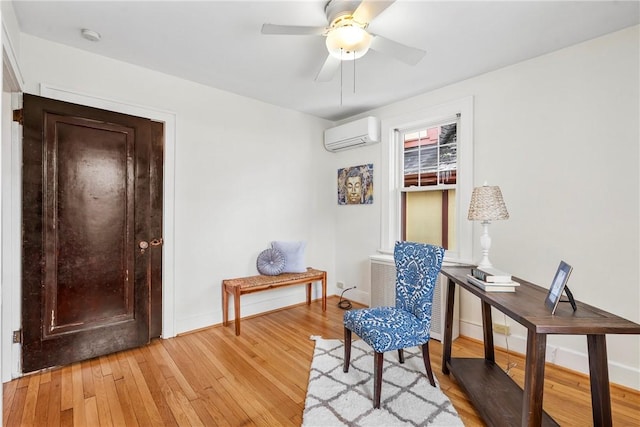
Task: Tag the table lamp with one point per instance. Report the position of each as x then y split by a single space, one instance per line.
486 205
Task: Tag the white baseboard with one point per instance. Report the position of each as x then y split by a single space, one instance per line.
250 304
626 376
356 295
193 323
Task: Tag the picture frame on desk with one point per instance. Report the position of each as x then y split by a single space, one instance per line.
558 287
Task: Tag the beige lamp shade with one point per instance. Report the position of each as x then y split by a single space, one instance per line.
487 204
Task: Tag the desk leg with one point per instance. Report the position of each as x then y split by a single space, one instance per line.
309 293
599 375
534 379
448 326
225 305
324 292
487 324
236 308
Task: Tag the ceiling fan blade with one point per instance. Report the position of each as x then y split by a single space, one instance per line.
369 9
407 54
328 69
294 30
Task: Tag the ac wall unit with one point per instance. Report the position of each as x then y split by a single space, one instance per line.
383 293
355 134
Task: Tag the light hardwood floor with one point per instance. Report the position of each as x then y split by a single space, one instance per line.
211 377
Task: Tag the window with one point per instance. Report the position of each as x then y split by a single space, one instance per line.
430 155
428 178
430 164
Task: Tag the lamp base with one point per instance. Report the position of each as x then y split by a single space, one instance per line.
485 263
485 244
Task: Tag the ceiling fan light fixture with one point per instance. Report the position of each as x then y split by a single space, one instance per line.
348 42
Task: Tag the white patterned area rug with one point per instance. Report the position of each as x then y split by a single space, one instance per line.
338 399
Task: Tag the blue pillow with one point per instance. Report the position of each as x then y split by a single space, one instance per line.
293 255
270 262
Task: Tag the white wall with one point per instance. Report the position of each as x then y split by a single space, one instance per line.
246 173
560 134
357 226
2 110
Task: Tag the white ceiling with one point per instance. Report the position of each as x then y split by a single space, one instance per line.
219 44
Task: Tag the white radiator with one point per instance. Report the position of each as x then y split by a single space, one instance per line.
383 293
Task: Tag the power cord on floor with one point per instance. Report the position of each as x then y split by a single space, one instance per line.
345 304
506 340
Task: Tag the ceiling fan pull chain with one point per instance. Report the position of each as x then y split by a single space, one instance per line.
354 72
341 64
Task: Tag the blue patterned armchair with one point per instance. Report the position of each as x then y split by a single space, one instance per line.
408 323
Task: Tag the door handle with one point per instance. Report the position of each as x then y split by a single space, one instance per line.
144 245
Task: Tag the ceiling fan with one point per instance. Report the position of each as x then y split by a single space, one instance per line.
347 37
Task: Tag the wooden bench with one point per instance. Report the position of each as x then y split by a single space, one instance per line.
248 285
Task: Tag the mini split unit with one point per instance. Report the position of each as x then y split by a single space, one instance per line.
351 135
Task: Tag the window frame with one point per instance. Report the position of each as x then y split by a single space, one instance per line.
400 140
393 181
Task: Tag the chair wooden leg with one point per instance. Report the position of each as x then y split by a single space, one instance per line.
400 355
378 358
347 349
427 363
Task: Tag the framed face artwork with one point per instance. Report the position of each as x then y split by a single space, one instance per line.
355 185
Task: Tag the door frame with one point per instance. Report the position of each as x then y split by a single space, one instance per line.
168 209
11 211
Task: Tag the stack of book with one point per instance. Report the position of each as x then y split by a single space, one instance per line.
492 280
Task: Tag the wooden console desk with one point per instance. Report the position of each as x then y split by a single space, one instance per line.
248 285
498 399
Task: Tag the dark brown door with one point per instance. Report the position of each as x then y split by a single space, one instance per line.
91 185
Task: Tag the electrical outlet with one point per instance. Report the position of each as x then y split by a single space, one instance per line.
501 328
340 285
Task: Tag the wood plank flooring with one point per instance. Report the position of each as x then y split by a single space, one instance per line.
211 377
